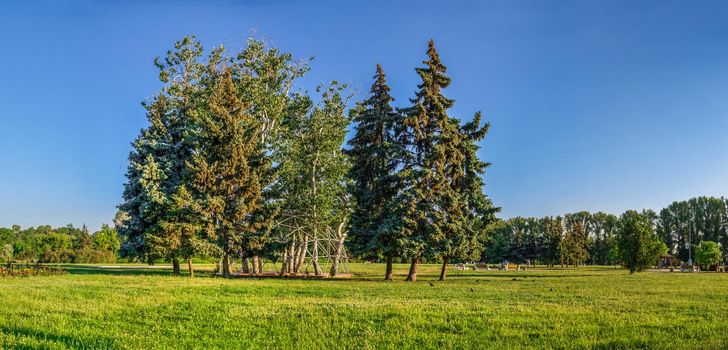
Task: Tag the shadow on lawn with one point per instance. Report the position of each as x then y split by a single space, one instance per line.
68 341
127 270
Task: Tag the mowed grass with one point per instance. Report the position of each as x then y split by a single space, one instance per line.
596 307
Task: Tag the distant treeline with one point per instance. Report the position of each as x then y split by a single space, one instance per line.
592 238
67 244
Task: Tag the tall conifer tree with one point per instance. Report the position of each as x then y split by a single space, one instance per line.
446 189
143 192
374 160
223 177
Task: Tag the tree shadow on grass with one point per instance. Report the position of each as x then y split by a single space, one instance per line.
127 271
70 342
518 275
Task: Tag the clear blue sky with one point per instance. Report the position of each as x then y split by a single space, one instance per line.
595 105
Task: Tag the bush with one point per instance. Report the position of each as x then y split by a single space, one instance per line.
708 254
6 253
639 246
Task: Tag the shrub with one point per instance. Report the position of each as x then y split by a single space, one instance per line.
707 254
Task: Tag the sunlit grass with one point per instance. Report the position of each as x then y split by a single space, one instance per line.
572 308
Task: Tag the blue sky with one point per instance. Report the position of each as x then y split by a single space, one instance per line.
594 105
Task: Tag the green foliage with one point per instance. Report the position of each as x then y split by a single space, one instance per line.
314 183
6 252
66 244
639 245
213 129
375 156
442 197
614 256
573 247
690 222
223 177
708 253
106 239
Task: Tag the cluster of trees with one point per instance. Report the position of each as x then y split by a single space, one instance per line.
67 244
604 239
417 179
236 164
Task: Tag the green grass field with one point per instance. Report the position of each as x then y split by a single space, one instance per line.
572 308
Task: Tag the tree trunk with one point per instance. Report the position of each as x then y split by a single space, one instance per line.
284 262
443 272
291 258
339 250
295 253
226 268
244 268
388 271
260 265
189 267
316 268
302 253
412 275
175 266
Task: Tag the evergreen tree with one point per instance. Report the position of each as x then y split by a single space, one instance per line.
162 151
444 190
143 192
574 245
223 179
374 162
179 234
553 236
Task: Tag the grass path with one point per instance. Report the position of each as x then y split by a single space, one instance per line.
573 308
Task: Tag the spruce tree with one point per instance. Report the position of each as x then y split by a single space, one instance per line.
143 192
222 175
162 151
374 162
553 235
179 230
445 188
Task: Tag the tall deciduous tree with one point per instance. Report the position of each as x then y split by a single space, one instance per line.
314 181
553 236
264 76
683 224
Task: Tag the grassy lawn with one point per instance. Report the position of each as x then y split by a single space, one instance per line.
598 307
